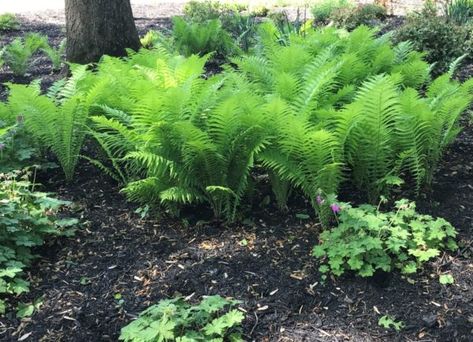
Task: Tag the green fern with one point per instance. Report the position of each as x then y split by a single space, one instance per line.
18 53
55 55
59 127
202 38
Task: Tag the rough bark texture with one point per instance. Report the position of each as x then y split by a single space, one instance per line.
99 27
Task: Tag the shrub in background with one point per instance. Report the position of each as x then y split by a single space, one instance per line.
213 319
201 11
323 11
202 38
242 27
442 40
364 14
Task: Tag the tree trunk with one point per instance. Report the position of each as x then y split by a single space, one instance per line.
99 27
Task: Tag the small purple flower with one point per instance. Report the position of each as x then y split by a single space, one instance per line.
320 200
335 208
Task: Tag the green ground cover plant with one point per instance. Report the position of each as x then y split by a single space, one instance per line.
27 219
367 240
213 319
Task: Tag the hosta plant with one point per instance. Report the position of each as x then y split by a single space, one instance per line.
213 319
367 240
27 219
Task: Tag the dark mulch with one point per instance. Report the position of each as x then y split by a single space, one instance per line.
273 274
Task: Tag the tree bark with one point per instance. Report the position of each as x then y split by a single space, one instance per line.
99 27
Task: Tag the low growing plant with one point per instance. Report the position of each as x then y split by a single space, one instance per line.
27 219
367 240
213 319
389 322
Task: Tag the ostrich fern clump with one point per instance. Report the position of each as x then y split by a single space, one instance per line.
311 110
57 124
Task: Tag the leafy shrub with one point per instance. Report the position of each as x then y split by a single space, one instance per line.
8 22
241 27
202 11
460 11
364 14
55 55
27 219
176 320
18 53
367 240
443 41
202 38
323 11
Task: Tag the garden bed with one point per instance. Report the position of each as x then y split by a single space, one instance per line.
118 264
266 264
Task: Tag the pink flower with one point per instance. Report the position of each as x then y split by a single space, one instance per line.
335 208
320 200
